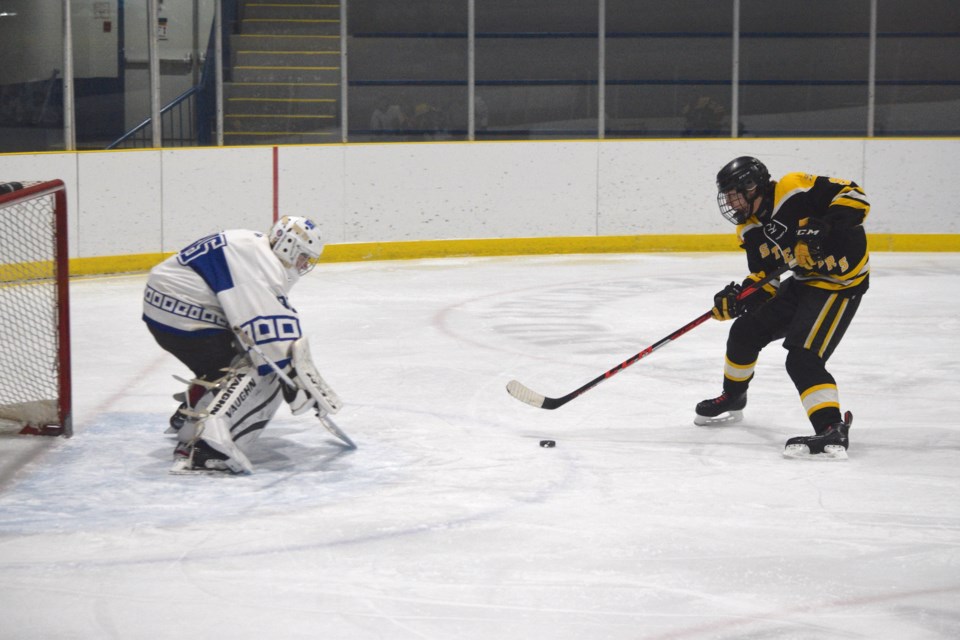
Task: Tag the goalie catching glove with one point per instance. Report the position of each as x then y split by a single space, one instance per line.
311 390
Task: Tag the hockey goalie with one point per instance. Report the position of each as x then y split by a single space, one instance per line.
221 307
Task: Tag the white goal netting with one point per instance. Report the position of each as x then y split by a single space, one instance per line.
34 356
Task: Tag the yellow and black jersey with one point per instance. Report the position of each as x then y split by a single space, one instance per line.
769 239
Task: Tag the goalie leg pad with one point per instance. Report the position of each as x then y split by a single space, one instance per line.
236 416
309 380
200 392
215 433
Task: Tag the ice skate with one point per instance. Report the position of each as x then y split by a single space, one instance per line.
830 444
215 433
189 401
183 417
178 419
724 409
198 458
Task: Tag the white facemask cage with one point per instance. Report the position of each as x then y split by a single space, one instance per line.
297 242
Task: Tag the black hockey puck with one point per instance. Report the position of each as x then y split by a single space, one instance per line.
548 443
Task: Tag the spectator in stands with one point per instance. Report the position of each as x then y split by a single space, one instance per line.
387 119
705 117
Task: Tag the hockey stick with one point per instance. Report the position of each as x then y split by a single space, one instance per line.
324 417
525 394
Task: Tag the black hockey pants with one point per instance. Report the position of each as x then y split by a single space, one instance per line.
811 322
205 355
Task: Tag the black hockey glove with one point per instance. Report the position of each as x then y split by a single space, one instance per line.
761 295
289 392
810 239
725 303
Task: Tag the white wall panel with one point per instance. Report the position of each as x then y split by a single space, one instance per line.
206 190
837 158
311 183
913 187
669 186
480 190
659 187
394 192
120 203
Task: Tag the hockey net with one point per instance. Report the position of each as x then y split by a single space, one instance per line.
35 393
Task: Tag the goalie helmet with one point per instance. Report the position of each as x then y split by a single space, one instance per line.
739 184
297 242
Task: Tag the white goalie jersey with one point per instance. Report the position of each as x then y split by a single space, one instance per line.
226 280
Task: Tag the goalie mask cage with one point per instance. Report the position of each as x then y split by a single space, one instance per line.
35 394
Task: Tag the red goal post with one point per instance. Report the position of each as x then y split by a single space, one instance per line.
35 375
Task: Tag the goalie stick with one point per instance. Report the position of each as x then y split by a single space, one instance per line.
324 417
524 393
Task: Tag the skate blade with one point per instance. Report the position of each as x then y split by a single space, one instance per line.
190 471
236 461
730 417
220 440
183 467
802 452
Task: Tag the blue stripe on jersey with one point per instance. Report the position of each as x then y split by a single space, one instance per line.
205 256
267 329
266 369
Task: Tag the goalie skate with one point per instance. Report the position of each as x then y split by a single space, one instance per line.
182 415
215 433
724 409
198 459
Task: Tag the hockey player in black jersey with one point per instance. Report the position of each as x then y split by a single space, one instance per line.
816 223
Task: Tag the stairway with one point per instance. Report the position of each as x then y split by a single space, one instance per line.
284 78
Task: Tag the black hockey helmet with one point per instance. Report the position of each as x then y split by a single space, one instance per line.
744 176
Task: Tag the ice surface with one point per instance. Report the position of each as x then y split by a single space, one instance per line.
450 521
